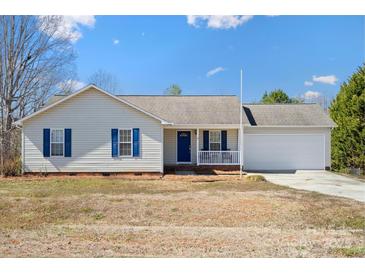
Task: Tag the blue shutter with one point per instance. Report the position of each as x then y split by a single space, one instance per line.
46 142
224 139
114 142
68 142
136 151
206 140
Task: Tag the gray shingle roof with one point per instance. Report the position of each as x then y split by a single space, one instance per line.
225 110
190 109
285 115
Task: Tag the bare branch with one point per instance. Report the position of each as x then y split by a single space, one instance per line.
34 58
105 80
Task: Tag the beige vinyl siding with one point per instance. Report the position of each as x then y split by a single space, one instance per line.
170 140
91 115
170 143
232 139
297 130
169 149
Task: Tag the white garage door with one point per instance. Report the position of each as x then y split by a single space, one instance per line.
284 151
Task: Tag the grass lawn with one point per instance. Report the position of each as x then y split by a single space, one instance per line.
187 216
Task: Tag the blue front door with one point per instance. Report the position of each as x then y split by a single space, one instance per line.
183 146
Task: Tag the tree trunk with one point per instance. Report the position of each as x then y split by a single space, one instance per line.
34 59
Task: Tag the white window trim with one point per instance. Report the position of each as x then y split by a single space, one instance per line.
50 142
220 140
119 142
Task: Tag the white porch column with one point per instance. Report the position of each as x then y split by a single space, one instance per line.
197 146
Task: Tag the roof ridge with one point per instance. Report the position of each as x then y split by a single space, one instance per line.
279 104
161 95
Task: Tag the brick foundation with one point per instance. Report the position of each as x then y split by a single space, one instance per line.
198 169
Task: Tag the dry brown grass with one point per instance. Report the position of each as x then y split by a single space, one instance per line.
177 216
255 178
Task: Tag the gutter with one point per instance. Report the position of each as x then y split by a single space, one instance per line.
277 126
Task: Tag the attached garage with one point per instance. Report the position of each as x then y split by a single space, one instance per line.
286 137
284 151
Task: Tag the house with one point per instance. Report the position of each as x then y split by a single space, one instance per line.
94 131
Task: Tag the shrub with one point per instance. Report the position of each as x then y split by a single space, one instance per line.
12 167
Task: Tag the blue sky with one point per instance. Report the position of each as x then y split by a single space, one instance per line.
204 54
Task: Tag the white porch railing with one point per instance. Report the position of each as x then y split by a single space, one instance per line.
218 157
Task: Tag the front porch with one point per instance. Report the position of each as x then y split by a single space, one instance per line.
201 147
202 169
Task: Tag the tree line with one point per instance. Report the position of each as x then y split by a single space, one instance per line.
36 62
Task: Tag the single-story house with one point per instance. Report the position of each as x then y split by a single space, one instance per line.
92 130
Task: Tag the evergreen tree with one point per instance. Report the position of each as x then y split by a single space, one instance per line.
348 112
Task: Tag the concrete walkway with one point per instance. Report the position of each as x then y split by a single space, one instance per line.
321 181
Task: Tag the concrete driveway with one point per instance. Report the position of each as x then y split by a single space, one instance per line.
321 181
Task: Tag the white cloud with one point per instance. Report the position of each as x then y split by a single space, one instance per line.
308 83
310 94
215 71
70 26
115 41
328 79
218 21
78 84
70 85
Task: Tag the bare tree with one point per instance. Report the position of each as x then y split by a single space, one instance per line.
105 80
34 58
323 100
69 86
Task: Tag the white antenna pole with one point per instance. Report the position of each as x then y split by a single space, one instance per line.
241 130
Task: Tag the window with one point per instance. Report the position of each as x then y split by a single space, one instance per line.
214 140
56 142
125 142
